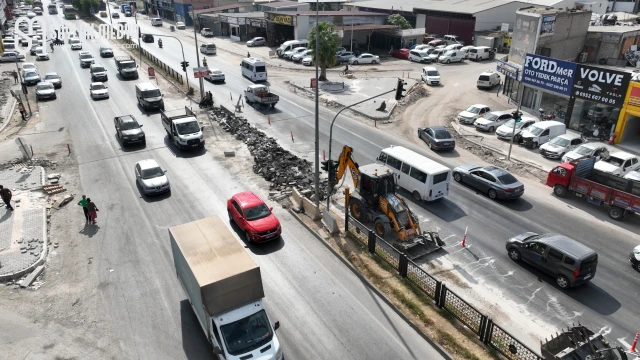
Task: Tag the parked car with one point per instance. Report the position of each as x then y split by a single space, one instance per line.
206 32
115 15
430 75
437 42
103 14
634 258
97 90
633 175
494 181
86 59
619 163
597 150
481 53
299 56
289 54
28 67
31 14
421 47
256 41
54 79
344 57
307 61
41 54
421 56
570 262
32 51
253 217
11 56
75 44
45 90
215 75
180 25
106 51
435 54
151 178
541 132
507 130
454 47
128 130
492 120
400 53
466 49
365 58
452 39
437 137
557 147
472 113
30 77
488 79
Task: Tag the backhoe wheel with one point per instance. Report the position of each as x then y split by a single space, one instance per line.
356 208
381 227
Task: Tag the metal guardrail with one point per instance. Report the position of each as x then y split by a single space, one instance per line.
490 334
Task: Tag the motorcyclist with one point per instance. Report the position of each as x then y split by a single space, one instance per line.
204 61
51 44
346 68
160 43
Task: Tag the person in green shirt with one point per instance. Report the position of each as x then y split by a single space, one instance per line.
83 203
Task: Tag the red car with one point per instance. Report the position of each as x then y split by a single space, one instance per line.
253 216
400 53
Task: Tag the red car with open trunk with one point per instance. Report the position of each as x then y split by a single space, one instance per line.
253 217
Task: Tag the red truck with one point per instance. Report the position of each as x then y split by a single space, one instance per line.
621 195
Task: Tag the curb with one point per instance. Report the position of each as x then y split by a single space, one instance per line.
353 110
456 127
45 247
8 117
384 298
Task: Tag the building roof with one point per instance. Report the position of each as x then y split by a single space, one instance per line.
278 4
221 8
398 5
329 13
252 15
365 27
619 29
550 10
465 6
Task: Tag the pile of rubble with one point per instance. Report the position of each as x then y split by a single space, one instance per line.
280 167
22 165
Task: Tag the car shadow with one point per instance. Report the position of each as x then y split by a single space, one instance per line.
194 340
186 154
153 198
443 208
630 221
129 147
265 248
518 204
122 78
448 153
267 110
588 294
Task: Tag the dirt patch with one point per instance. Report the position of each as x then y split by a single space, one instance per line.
417 92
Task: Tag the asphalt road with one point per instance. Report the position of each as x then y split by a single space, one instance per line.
513 292
323 308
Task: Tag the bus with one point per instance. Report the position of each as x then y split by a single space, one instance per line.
52 8
69 12
254 69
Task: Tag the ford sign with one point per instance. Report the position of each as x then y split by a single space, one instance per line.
549 74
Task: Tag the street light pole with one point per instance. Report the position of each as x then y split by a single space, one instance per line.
513 133
108 9
195 36
317 119
22 87
135 16
331 138
351 41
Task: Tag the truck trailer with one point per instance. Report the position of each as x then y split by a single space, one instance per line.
224 287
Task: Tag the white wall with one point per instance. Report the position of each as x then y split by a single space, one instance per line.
492 19
303 27
421 21
621 6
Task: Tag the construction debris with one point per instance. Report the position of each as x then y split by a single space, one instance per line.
280 167
53 189
61 202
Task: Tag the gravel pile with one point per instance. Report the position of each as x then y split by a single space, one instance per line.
280 167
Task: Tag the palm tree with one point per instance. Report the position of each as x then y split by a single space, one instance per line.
328 41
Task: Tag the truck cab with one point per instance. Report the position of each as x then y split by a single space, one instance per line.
183 129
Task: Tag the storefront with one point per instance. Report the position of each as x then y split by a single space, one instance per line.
628 126
547 85
511 83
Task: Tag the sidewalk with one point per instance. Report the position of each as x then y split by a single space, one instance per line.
23 231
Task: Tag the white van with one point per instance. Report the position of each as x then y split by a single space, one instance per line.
208 48
451 56
290 45
156 22
426 179
541 132
481 53
254 69
453 39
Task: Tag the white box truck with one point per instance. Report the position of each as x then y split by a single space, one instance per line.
224 287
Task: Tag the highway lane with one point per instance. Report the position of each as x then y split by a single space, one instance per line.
322 306
606 302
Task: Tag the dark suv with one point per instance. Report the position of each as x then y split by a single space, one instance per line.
128 130
570 262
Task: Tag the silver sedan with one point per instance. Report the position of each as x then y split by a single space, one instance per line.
496 182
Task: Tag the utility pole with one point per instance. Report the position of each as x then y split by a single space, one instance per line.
23 87
135 16
515 123
195 36
351 41
317 122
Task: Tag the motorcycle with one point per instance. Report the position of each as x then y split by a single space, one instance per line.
160 43
205 103
595 133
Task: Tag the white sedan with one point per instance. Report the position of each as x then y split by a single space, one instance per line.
307 61
180 25
365 58
215 75
41 53
98 91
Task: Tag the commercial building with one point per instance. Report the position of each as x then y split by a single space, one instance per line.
239 26
611 45
628 126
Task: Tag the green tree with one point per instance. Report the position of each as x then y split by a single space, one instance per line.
321 6
328 42
399 21
83 6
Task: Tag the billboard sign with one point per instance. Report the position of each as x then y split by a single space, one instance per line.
549 74
525 37
508 70
548 26
601 85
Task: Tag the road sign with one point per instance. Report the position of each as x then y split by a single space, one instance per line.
152 71
24 148
200 72
504 27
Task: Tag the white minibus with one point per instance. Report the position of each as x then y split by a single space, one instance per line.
424 178
254 69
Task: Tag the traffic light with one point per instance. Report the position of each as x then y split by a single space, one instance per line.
400 89
517 115
139 33
184 64
325 165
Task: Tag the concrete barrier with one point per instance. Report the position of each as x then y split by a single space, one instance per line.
310 209
296 200
330 222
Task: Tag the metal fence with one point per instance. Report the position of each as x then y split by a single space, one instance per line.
488 333
160 64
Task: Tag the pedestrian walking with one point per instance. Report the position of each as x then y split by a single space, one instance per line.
83 203
93 209
23 112
15 76
499 87
248 55
6 197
